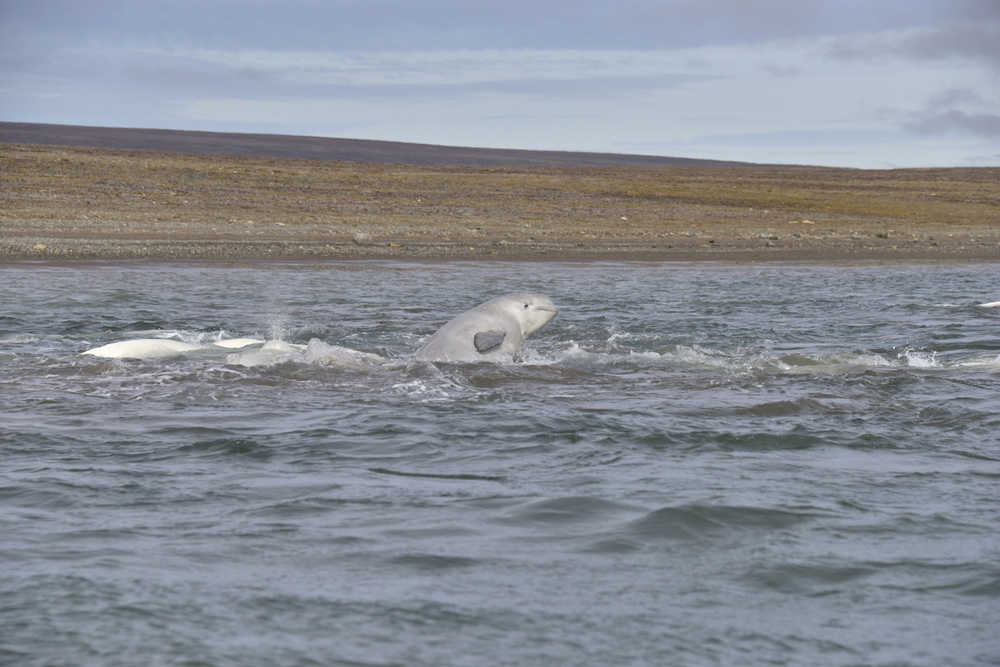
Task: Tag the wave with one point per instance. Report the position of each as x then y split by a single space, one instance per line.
170 357
830 576
751 360
698 521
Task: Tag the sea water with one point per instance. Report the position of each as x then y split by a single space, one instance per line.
695 464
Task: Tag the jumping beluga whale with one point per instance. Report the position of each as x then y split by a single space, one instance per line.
492 331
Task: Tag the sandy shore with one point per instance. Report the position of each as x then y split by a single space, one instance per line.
75 203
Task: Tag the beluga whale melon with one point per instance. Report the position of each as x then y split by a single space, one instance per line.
492 331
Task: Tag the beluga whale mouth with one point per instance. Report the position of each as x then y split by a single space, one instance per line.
492 331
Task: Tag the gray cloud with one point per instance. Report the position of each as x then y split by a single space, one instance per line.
254 84
979 124
811 137
955 110
310 76
955 96
977 10
781 71
978 41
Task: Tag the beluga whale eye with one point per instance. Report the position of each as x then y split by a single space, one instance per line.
526 306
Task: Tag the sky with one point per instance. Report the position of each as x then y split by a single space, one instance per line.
850 83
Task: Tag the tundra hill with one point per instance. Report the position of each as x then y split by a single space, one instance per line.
323 148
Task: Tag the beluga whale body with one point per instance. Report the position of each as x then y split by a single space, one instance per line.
158 348
142 348
492 331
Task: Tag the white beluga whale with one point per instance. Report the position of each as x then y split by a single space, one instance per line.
142 348
158 348
492 331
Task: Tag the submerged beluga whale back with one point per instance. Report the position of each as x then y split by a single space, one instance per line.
492 331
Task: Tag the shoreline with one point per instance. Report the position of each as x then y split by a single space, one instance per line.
103 241
404 263
72 204
63 250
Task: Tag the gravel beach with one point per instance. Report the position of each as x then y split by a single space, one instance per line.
68 202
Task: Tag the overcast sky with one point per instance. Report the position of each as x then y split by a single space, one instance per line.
858 83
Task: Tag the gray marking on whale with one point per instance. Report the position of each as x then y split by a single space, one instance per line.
492 331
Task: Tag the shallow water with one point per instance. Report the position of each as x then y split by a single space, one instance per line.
695 465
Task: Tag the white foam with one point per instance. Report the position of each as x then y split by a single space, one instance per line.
237 343
981 362
696 355
920 359
19 339
270 353
991 304
318 352
282 346
573 355
744 360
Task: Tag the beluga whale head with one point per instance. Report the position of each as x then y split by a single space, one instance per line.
532 311
492 331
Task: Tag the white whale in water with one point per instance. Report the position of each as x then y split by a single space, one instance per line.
142 348
492 331
991 304
158 348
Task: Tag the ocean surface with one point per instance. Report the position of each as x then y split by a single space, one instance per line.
695 464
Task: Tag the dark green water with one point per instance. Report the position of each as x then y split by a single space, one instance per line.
696 465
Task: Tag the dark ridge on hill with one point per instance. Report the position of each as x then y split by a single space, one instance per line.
324 148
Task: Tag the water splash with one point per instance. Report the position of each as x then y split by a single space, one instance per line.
278 329
919 358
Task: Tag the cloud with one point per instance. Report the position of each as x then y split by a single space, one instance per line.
978 42
955 96
804 137
781 71
380 76
980 124
974 41
955 110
